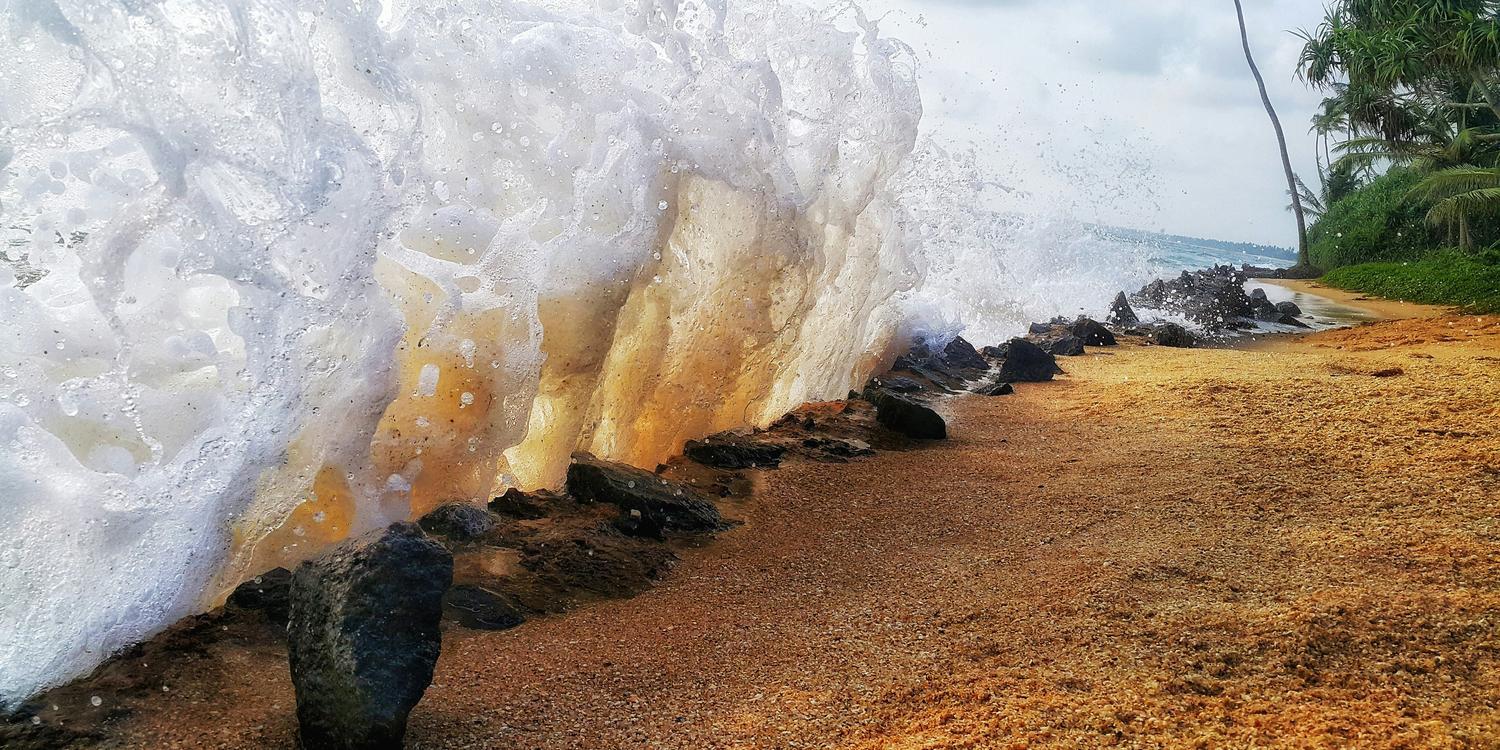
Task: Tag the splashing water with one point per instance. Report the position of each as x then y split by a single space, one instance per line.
275 273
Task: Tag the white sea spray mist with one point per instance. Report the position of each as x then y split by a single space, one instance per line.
276 273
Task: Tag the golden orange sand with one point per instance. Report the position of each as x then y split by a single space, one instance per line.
1291 546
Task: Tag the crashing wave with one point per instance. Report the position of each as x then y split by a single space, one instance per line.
278 272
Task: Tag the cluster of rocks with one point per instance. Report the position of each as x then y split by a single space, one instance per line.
1215 299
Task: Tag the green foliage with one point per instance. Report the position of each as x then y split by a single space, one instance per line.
1448 277
1376 222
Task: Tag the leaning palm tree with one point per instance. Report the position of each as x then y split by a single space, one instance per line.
1459 195
1303 260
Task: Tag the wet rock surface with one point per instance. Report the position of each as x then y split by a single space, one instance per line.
731 451
459 522
1121 313
1092 333
674 506
906 415
1066 345
482 609
363 637
1213 299
1171 334
1025 362
268 593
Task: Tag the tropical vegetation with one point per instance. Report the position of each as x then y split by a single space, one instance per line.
1408 147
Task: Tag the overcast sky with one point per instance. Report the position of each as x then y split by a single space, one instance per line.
1139 113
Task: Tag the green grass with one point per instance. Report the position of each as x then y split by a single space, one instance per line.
1447 277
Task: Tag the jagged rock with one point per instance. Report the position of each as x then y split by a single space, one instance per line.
1267 312
835 450
949 369
895 384
730 451
959 354
995 352
1258 295
269 592
1025 362
458 522
1288 320
636 524
1121 314
364 637
1171 334
1288 308
998 389
1039 329
1066 345
1093 333
479 608
1213 297
901 414
676 507
525 505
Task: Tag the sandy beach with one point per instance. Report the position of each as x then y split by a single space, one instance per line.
1294 545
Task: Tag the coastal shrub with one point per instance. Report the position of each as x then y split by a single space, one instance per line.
1375 223
1447 277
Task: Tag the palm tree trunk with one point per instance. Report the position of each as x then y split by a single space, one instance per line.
1465 239
1286 160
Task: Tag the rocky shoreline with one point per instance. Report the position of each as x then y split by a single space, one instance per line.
361 625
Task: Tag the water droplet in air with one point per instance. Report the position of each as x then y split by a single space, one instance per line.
662 206
96 700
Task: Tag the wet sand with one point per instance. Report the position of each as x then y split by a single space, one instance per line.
1292 546
1369 308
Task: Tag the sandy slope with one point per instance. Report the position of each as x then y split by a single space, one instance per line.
1167 548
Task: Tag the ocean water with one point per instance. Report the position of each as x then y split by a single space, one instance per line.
275 273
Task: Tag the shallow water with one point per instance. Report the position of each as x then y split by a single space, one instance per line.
1320 313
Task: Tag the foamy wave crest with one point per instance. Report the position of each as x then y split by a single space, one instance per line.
277 272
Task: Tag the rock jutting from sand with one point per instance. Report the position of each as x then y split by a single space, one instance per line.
905 415
1026 362
1121 314
363 637
674 506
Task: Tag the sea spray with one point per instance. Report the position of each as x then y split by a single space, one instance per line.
276 273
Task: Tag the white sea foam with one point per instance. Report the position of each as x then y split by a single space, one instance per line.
278 272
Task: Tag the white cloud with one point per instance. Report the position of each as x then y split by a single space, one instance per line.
1134 112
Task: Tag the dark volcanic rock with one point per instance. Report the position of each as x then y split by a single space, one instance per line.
459 522
730 451
363 637
961 355
1039 329
956 364
481 609
1120 312
995 352
1066 345
269 592
1025 362
1171 334
901 414
998 389
636 524
1093 333
1213 297
526 505
895 384
1288 308
836 450
676 507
